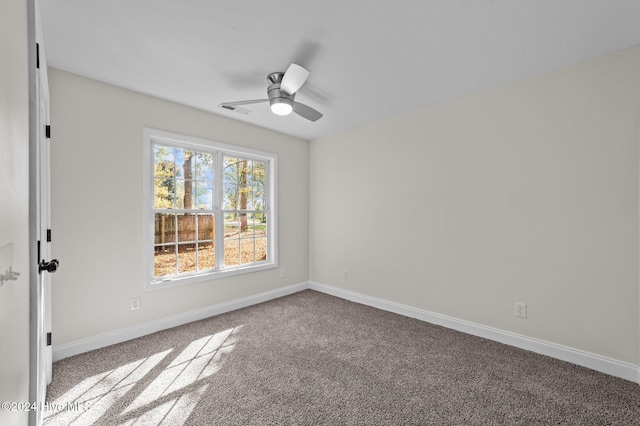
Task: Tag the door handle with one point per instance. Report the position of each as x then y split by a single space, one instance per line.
50 266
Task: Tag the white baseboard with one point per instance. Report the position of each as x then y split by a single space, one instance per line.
595 362
122 335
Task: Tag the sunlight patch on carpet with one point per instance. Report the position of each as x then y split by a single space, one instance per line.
173 412
172 395
90 399
201 359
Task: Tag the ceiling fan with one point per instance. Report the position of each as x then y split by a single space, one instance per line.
281 92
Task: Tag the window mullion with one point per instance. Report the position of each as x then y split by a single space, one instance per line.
196 238
219 216
175 242
267 209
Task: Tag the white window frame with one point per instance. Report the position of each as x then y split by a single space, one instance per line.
151 136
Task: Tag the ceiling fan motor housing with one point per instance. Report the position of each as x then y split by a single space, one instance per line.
277 96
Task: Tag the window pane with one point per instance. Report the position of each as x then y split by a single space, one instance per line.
206 225
247 201
165 228
231 252
163 161
257 185
186 258
258 197
164 193
230 166
259 171
231 224
261 249
260 224
184 194
231 242
246 225
203 196
244 222
186 227
247 250
206 256
236 178
179 194
185 163
164 260
231 197
204 167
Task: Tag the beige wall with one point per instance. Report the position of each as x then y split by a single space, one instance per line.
14 208
97 207
527 192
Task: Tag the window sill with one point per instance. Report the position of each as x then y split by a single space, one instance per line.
191 279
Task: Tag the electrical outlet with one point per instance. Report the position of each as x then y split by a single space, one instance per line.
520 310
345 275
135 304
283 272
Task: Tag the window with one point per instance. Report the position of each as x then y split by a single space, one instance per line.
209 209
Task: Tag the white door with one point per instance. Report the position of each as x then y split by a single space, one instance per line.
47 266
44 225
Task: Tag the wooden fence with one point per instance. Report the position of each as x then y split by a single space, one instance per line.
165 228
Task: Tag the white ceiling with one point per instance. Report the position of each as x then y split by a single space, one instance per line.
369 59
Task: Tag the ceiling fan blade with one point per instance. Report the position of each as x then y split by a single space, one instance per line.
306 111
252 101
293 79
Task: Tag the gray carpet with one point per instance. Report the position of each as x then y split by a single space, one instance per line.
310 358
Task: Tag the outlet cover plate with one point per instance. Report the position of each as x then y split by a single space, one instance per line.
520 310
135 304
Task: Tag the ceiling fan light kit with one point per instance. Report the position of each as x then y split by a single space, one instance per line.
280 101
281 92
281 106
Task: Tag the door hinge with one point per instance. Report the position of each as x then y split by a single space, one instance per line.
38 252
49 339
48 235
47 131
37 55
